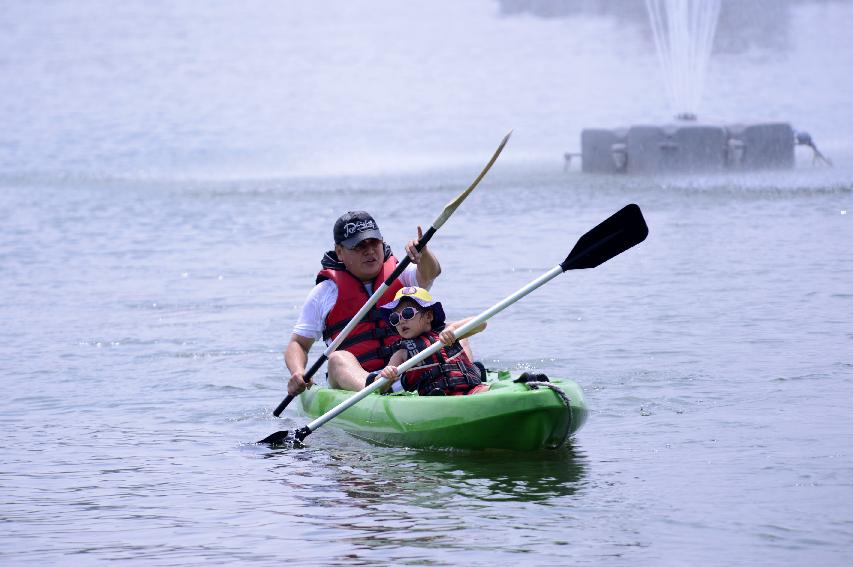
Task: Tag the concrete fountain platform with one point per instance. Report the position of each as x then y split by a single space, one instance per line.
687 146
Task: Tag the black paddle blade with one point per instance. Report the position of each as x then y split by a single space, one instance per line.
621 231
282 439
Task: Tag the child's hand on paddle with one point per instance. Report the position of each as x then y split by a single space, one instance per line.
447 336
389 372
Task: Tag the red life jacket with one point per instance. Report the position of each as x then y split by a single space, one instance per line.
448 371
370 341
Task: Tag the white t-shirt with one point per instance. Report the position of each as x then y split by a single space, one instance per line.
322 298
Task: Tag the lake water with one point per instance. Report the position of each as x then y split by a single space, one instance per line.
169 176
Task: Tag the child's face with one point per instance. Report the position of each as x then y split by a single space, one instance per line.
417 325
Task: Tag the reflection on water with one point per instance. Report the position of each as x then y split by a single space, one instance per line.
504 476
384 500
366 473
430 478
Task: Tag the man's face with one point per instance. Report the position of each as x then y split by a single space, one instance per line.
365 260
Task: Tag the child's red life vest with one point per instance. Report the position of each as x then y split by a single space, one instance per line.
371 340
448 371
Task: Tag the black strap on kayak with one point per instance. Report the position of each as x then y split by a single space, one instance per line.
531 377
535 385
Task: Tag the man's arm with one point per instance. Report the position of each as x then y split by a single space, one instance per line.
318 304
296 357
428 266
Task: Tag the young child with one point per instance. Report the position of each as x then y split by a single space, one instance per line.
420 322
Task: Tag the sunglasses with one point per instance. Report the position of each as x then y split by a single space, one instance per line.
404 315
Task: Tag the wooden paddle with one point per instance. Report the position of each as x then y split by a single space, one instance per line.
437 223
624 229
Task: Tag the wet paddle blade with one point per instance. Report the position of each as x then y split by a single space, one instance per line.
624 229
290 439
277 438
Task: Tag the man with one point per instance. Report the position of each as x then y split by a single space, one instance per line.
360 263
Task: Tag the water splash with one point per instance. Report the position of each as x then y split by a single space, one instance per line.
684 34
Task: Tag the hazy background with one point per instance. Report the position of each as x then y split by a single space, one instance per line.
254 89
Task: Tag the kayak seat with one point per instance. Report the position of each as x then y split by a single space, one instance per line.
483 373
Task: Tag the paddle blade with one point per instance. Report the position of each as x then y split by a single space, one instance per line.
621 231
276 438
283 439
454 204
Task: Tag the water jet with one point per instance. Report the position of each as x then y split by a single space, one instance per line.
683 32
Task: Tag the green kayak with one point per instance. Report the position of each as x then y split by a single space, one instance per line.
520 417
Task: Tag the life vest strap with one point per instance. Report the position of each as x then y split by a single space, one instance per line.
373 315
384 352
448 376
377 333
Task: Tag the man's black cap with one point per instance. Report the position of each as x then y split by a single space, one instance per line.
353 227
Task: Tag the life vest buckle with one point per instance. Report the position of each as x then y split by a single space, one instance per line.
374 315
381 332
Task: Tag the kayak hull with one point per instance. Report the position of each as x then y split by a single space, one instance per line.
509 416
